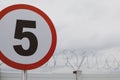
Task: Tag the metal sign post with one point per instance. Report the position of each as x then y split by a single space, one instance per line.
26 21
77 73
24 75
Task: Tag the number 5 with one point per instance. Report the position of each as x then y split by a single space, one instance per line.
19 34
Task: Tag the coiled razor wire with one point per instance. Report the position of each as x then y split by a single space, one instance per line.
83 59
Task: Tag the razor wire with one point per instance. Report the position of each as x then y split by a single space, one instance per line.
79 59
83 59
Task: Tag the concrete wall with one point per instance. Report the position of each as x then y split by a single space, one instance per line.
35 76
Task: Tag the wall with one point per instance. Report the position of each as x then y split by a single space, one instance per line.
36 76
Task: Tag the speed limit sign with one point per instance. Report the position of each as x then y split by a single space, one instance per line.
27 37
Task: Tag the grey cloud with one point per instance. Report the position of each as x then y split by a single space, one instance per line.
81 23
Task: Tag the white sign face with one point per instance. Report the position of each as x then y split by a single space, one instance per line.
27 37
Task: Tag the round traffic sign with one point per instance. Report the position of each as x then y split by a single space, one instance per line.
27 37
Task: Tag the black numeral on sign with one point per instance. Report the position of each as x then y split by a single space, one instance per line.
19 34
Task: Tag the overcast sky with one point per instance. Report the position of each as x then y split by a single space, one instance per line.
80 23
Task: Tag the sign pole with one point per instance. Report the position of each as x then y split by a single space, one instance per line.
24 76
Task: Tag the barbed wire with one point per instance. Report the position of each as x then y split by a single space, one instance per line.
81 59
85 59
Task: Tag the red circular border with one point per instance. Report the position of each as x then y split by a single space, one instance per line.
53 44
